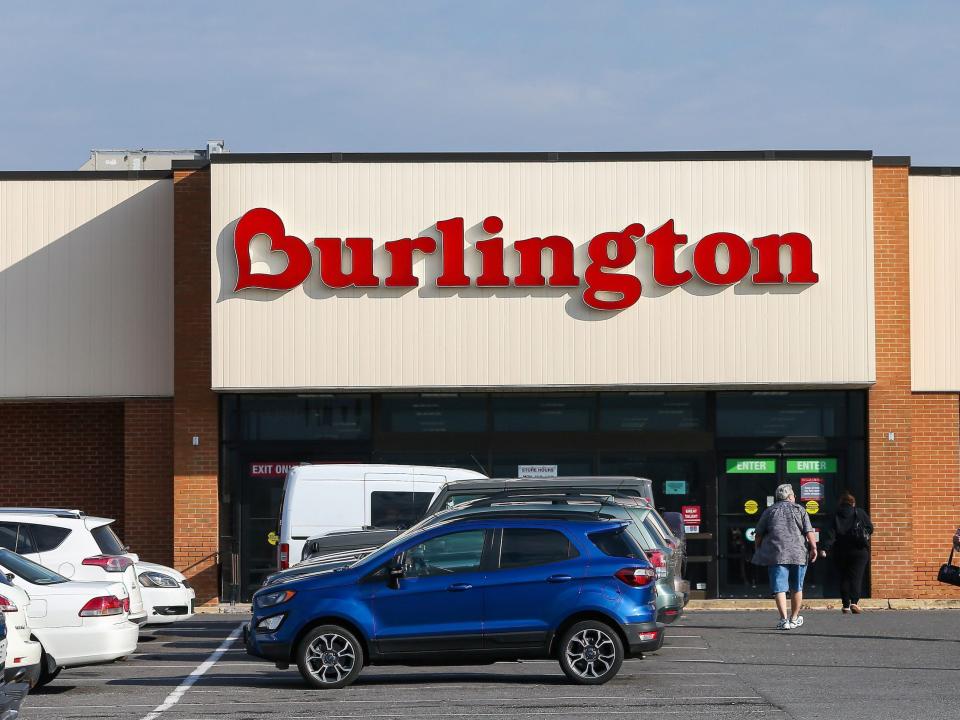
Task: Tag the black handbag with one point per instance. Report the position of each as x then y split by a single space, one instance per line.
949 573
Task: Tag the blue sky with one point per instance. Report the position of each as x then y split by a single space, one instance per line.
436 76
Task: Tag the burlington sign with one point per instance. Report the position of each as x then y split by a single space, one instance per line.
603 287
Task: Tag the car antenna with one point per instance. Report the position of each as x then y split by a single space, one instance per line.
482 468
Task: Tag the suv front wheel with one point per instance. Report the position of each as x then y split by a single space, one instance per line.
329 657
591 653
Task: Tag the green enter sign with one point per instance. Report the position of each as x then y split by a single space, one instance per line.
812 465
751 466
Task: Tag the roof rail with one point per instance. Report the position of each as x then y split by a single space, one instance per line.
54 512
517 511
555 498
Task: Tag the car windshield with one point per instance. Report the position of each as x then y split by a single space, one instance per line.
29 570
461 498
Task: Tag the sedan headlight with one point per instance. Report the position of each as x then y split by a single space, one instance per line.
274 598
152 579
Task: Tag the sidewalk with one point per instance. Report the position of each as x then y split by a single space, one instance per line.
754 604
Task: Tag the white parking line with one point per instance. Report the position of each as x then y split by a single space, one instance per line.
670 635
682 647
174 697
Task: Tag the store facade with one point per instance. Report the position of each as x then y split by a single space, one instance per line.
719 323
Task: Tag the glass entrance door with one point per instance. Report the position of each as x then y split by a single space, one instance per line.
746 488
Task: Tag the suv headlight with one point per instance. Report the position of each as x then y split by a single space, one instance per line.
152 579
274 598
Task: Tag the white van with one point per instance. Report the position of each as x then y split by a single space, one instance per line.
319 499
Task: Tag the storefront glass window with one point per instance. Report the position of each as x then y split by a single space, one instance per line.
653 411
543 413
781 414
563 464
306 418
434 412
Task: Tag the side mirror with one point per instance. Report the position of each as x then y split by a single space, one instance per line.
395 571
10 577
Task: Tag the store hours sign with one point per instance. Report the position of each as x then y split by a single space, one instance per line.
605 281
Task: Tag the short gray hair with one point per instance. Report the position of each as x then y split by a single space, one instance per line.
784 491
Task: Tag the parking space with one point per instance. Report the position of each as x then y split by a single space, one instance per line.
712 665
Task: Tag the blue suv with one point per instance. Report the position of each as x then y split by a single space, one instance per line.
469 591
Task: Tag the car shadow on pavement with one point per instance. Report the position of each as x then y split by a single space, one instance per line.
293 681
51 690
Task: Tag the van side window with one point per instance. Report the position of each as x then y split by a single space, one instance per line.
397 510
524 547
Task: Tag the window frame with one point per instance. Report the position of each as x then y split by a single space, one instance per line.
486 552
498 549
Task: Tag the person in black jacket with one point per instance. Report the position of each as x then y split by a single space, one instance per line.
849 544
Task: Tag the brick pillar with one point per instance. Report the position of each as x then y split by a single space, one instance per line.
195 408
148 478
891 487
914 478
936 487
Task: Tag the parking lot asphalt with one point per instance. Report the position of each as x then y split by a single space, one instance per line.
879 665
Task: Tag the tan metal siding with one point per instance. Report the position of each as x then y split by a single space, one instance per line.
934 290
427 337
86 288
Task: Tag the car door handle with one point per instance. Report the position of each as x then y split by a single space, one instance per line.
459 587
559 578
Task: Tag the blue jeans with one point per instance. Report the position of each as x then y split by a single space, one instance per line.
786 577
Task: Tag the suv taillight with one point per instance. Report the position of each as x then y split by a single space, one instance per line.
103 606
636 577
110 563
7 605
659 562
284 556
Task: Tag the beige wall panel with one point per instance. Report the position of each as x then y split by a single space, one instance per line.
934 290
86 288
692 335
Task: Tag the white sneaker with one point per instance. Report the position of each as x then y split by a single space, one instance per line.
785 625
797 622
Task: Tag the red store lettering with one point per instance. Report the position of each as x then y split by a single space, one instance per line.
605 289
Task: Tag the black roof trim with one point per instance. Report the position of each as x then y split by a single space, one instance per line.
86 174
891 160
401 157
943 171
189 164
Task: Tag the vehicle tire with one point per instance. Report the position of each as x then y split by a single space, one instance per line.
590 653
46 675
329 657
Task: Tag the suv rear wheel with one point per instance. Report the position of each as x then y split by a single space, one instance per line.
591 653
329 657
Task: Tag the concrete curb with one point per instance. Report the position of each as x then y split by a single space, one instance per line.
833 604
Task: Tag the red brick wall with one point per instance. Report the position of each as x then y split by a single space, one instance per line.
914 478
63 454
148 478
195 411
936 487
891 489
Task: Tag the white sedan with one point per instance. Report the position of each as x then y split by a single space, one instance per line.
77 623
167 596
23 654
